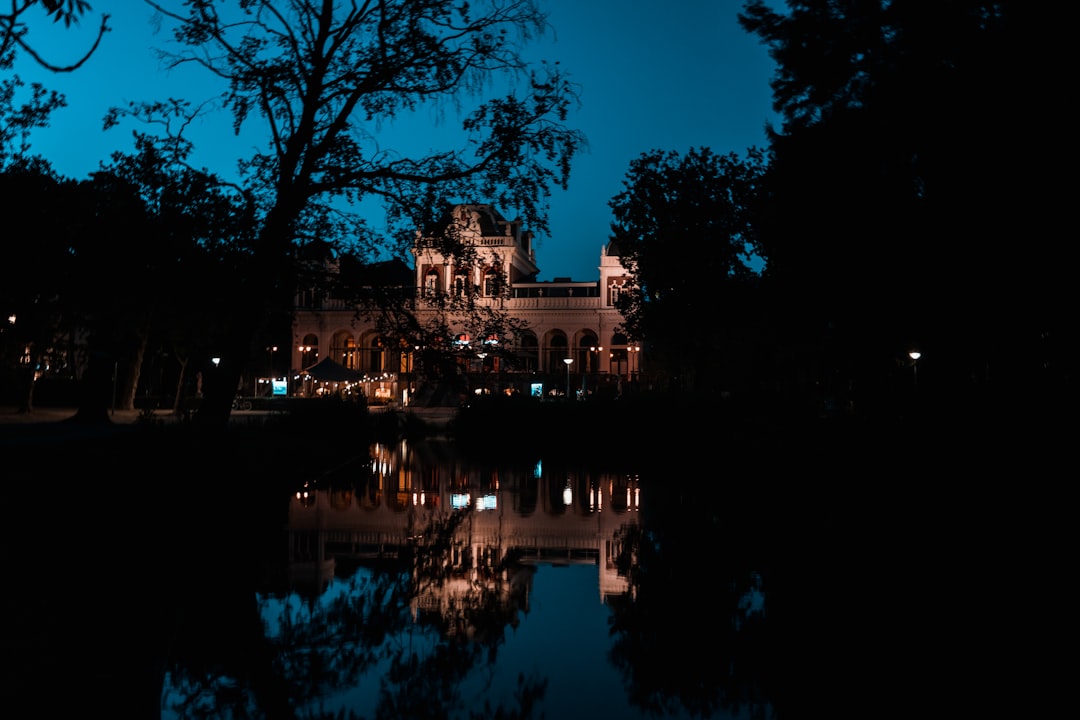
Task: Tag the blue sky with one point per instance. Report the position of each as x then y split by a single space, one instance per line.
667 76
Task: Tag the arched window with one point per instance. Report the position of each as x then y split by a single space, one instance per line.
492 282
344 350
431 282
528 352
558 350
374 354
461 283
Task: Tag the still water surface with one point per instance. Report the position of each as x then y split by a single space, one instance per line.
836 575
415 584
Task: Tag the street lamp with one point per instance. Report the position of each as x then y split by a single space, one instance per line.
304 350
483 385
594 363
272 349
596 350
914 355
634 349
569 362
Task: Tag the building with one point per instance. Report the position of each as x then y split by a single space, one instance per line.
546 515
555 320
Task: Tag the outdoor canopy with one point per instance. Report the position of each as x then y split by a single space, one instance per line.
327 370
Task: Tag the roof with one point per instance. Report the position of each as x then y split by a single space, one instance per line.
327 370
491 221
385 273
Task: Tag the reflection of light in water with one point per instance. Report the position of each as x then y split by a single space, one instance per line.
306 495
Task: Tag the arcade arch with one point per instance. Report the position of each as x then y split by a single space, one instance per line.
528 351
343 349
558 349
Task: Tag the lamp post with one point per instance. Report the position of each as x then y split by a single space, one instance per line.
483 385
569 362
595 358
915 355
272 349
304 378
633 351
304 351
594 362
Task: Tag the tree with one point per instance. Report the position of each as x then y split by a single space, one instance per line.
14 30
180 268
905 192
17 122
39 312
318 75
684 227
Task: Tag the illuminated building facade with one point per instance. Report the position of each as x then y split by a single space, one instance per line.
565 319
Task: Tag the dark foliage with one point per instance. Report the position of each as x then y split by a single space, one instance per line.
908 207
15 25
684 228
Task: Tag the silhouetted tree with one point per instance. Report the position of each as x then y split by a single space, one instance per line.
909 204
318 75
684 228
314 650
39 313
14 29
713 534
186 264
18 121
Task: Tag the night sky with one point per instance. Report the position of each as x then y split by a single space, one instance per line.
673 78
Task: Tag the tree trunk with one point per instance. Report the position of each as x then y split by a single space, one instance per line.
178 399
267 287
131 382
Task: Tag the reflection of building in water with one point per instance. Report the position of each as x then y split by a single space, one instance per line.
528 515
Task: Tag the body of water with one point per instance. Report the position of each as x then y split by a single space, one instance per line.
409 582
